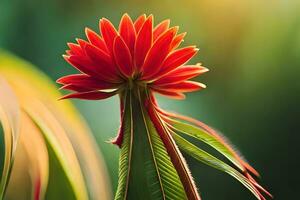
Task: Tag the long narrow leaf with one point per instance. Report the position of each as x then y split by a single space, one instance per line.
37 94
145 169
207 138
212 161
125 154
221 138
9 118
37 156
172 187
59 142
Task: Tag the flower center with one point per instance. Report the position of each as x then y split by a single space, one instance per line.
134 82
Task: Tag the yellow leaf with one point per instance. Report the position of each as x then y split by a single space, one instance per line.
60 126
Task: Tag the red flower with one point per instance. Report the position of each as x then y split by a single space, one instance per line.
135 62
136 54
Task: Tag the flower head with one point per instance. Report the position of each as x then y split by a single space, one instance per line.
135 55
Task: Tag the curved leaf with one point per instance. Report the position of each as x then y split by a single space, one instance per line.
2 148
9 118
33 154
212 161
60 123
221 138
61 145
207 138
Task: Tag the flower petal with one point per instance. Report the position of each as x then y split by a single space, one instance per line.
93 95
75 49
176 59
108 32
75 88
186 86
73 78
158 53
188 69
79 88
83 64
82 43
86 81
180 74
95 39
143 42
160 29
139 23
177 40
173 95
123 57
103 62
127 31
69 52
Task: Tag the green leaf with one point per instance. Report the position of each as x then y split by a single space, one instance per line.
57 139
143 167
212 161
146 170
207 138
125 154
171 184
59 186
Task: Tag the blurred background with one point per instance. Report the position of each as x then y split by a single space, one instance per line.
253 95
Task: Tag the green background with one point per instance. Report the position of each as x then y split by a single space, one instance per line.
252 49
